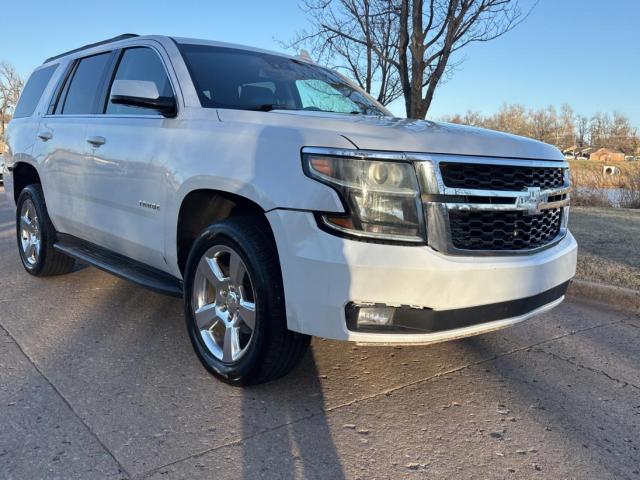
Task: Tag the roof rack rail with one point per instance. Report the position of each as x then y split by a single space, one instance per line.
124 36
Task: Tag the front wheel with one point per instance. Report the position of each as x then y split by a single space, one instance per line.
234 304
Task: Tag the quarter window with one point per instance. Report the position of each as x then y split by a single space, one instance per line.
33 91
81 97
141 63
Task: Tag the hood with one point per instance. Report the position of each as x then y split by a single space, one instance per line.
405 135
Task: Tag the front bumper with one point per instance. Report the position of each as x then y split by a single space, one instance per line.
323 274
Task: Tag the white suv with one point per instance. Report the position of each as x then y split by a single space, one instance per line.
280 201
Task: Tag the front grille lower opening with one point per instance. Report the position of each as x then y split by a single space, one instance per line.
503 230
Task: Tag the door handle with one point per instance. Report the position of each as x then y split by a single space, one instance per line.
45 136
96 141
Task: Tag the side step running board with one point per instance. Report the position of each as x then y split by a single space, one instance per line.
119 265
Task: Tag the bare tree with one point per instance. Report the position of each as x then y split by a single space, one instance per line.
543 124
402 47
566 135
599 129
582 125
362 42
563 130
475 119
622 135
10 87
510 118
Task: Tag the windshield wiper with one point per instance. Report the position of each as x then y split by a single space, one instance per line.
353 112
267 107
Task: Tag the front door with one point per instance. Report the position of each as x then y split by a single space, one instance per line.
128 151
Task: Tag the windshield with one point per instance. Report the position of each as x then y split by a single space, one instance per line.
241 79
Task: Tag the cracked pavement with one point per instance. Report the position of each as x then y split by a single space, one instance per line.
98 380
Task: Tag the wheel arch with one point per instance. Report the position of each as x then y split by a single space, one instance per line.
23 174
202 207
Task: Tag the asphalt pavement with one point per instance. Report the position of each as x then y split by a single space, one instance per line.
98 380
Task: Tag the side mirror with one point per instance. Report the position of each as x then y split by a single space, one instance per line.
142 94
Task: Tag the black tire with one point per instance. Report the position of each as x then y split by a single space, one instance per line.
49 261
273 350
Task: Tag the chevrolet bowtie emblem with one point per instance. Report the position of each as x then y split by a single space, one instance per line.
530 203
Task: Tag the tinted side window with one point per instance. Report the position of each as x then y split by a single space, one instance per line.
33 91
141 64
85 85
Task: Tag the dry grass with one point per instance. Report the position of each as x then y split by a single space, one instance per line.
591 187
609 245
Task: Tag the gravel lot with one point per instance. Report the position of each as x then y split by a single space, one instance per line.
98 380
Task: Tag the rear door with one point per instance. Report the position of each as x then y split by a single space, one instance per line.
128 162
62 145
21 132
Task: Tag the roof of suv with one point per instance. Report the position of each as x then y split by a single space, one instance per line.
124 36
127 36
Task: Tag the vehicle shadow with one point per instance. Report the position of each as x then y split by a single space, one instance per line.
122 360
302 447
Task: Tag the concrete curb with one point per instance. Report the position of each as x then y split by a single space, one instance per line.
616 297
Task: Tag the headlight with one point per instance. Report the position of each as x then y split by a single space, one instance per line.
382 198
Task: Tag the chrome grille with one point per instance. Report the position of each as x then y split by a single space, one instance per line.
503 230
500 177
493 206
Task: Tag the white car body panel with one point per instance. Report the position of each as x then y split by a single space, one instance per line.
392 134
94 194
323 273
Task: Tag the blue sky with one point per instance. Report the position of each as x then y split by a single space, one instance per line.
582 52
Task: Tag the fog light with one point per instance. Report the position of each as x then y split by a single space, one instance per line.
375 316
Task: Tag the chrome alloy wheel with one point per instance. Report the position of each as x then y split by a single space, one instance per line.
223 303
30 234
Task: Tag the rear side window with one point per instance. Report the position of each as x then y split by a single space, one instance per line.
82 94
141 63
33 91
